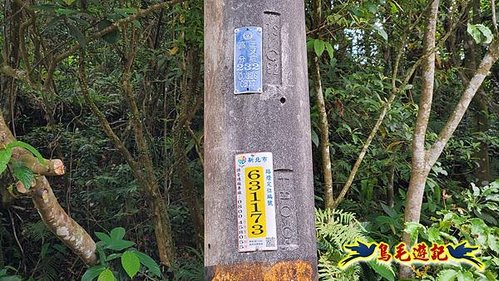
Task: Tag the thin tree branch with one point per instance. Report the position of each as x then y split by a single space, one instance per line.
115 26
494 18
474 84
102 119
395 91
50 211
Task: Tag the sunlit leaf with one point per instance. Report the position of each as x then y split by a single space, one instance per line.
330 50
117 233
106 275
130 263
319 47
447 275
381 31
480 33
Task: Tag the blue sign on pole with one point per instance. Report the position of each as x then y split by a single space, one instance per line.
248 60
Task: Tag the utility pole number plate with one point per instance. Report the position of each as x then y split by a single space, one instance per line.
248 60
256 221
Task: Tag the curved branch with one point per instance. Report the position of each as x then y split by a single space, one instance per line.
115 26
51 212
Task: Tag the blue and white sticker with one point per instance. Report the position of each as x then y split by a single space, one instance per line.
248 60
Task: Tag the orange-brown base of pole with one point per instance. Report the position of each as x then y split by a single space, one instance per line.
297 270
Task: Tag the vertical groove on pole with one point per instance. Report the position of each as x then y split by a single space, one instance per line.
277 121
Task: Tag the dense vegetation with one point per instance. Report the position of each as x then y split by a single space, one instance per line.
114 89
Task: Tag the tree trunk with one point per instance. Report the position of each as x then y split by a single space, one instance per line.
190 101
324 136
481 125
323 118
423 159
419 165
10 54
162 225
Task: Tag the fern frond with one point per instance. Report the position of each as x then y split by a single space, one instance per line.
335 229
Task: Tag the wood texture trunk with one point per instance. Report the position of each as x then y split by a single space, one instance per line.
323 136
481 120
190 102
419 165
320 102
423 159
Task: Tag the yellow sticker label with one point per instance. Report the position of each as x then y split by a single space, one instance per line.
255 201
256 214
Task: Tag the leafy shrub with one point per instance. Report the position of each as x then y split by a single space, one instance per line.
111 248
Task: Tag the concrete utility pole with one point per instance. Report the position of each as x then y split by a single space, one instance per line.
259 197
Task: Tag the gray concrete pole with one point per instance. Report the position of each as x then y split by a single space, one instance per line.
259 198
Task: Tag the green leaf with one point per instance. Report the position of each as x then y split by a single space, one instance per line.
65 12
118 245
388 210
77 34
381 31
23 174
101 254
92 273
319 47
488 217
113 256
5 155
465 276
492 241
480 33
106 275
385 271
117 233
11 278
130 263
315 138
485 32
69 2
125 11
111 37
474 32
447 275
28 147
393 8
434 234
330 50
103 237
310 43
148 262
413 229
44 7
